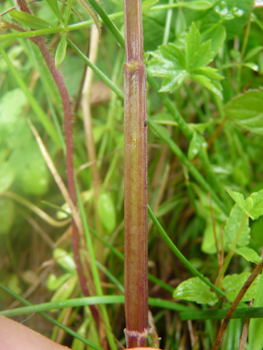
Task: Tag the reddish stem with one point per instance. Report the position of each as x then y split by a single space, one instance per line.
136 277
40 42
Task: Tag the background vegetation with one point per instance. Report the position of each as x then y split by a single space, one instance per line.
204 138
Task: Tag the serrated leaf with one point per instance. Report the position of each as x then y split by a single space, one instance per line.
195 290
239 199
171 63
61 51
247 253
29 20
7 175
107 212
53 4
246 111
197 5
196 144
233 284
207 83
233 225
209 72
64 259
197 54
254 204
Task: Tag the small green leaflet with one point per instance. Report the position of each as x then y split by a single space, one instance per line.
195 290
252 206
53 4
232 284
232 227
29 20
65 290
247 253
61 51
107 212
64 259
54 282
176 65
196 144
246 111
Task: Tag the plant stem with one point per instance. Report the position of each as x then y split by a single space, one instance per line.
135 203
90 144
240 295
40 42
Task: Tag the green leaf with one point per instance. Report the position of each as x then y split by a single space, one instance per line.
68 11
66 290
84 330
64 259
251 66
232 284
30 167
7 175
217 35
197 54
212 86
239 199
256 325
170 62
61 50
233 225
107 212
252 206
253 52
195 290
196 144
10 110
208 243
29 20
209 72
7 215
197 5
247 253
54 283
14 130
233 14
246 111
53 4
147 4
62 214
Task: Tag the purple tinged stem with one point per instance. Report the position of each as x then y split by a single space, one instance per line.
40 42
135 205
